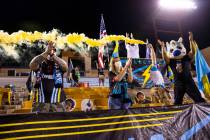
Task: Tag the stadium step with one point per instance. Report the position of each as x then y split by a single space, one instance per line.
3 111
23 110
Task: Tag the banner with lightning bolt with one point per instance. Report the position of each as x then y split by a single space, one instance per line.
147 75
141 71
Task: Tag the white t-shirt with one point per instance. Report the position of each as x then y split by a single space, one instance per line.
132 51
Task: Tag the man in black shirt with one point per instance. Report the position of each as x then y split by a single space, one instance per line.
49 80
180 63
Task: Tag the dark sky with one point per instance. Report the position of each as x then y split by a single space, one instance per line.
83 16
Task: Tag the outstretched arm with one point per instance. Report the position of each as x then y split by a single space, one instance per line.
123 72
164 52
193 45
130 72
153 55
120 76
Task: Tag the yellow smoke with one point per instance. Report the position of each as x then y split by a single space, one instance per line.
10 50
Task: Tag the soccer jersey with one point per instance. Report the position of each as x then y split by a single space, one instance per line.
47 89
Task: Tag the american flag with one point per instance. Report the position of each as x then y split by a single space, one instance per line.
101 48
102 28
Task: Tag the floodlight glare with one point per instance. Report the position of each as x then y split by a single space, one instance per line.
177 4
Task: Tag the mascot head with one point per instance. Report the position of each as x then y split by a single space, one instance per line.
176 49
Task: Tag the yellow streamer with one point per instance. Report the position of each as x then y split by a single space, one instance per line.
72 38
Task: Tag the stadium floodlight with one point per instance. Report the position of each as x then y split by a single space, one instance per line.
177 4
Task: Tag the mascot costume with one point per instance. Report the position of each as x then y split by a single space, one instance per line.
179 60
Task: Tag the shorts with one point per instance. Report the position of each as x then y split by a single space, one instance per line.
101 77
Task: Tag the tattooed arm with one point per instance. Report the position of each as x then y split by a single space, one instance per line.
49 52
130 72
153 55
36 61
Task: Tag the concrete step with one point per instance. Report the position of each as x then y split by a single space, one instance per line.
16 102
25 110
9 111
1 107
17 98
3 111
20 94
7 107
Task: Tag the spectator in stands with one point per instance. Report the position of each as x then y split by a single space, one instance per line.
49 70
77 73
118 78
75 76
140 98
29 85
101 75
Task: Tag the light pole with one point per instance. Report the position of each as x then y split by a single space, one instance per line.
177 4
167 19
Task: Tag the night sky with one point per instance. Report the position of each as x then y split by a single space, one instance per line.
83 16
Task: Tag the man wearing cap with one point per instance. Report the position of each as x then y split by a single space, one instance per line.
118 78
49 70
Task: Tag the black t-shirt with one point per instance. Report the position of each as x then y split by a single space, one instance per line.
181 69
47 68
100 71
112 84
48 83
